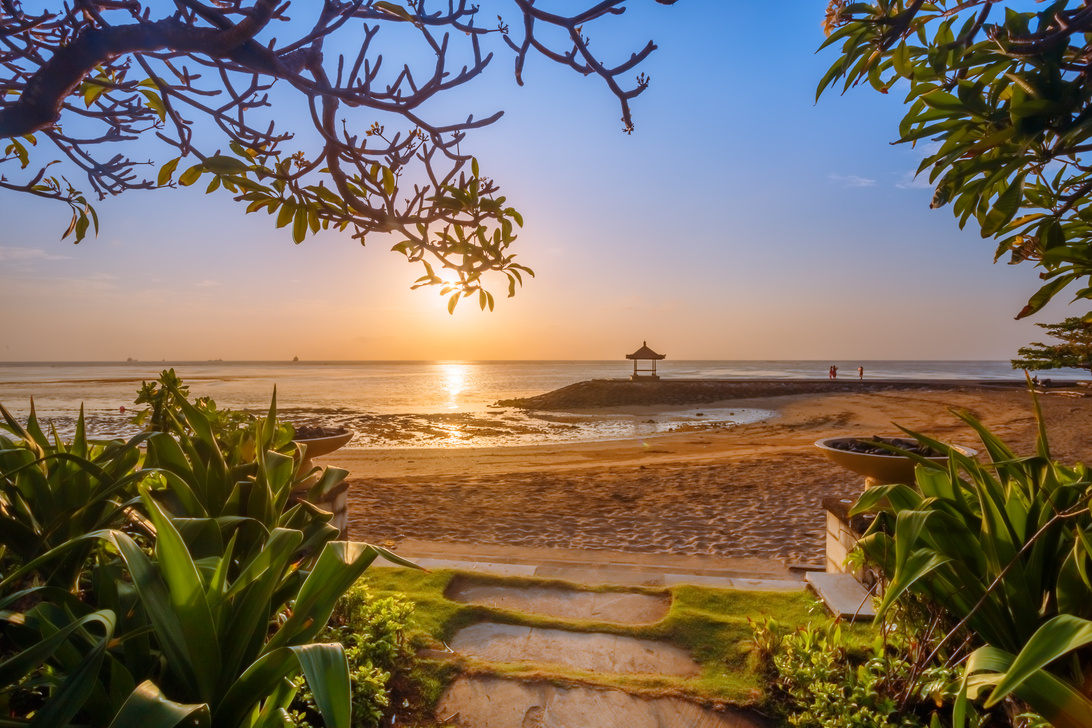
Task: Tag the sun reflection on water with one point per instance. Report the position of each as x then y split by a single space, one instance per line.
454 382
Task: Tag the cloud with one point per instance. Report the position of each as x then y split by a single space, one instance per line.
11 254
911 181
851 180
206 284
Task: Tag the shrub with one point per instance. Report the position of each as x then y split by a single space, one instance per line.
821 681
374 634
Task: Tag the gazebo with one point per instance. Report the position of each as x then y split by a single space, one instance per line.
644 354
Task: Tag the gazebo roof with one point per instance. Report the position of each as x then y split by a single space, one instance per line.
645 353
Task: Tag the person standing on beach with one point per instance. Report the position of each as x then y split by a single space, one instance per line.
830 372
860 372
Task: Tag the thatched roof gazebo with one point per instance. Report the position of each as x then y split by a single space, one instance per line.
644 354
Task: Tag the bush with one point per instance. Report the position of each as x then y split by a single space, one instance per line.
374 634
821 681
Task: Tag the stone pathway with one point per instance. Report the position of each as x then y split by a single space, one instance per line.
483 701
619 607
489 702
590 651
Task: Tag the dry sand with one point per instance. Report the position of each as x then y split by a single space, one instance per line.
753 490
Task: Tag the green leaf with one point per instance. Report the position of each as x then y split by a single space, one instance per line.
148 707
91 92
1043 295
396 10
388 180
191 175
167 170
286 214
188 601
1057 638
1055 700
324 666
1008 202
299 225
220 164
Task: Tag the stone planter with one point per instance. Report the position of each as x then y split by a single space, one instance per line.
336 499
843 532
878 469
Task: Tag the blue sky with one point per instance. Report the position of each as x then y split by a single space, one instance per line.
741 220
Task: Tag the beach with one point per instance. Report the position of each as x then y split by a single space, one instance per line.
748 491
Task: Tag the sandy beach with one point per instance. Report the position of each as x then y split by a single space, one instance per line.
751 490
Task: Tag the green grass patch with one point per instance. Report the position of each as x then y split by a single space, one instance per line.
713 625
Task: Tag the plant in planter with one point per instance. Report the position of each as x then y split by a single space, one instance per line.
1002 546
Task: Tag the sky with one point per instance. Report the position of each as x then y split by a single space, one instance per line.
741 220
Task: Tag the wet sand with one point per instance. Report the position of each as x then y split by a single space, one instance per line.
752 490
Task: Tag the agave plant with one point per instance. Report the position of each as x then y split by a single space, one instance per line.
52 491
1004 547
198 612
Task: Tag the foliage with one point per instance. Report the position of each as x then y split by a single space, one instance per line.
821 683
1004 548
213 80
198 608
1004 97
374 633
1074 351
52 492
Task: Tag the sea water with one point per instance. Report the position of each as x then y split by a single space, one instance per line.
426 404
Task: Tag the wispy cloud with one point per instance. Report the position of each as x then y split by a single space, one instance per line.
12 254
851 180
911 181
206 284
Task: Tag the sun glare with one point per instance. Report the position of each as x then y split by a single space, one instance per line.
454 382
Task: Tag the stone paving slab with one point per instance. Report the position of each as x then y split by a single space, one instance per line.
716 582
605 567
483 702
594 652
618 607
753 568
843 595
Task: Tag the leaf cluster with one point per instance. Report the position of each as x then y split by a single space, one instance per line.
1002 97
210 83
821 680
1004 548
184 586
1073 352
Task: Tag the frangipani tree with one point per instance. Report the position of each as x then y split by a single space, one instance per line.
1001 92
211 82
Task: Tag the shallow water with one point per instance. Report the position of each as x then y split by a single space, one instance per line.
420 404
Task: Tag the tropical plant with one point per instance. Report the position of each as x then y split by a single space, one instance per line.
820 683
52 492
200 610
1000 91
374 154
1004 548
1074 351
376 647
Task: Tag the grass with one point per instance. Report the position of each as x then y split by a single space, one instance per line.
713 625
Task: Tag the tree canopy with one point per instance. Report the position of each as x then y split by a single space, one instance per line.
1003 98
1073 352
92 82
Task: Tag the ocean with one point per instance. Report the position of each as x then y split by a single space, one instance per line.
414 404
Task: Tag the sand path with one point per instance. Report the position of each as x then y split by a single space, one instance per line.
753 490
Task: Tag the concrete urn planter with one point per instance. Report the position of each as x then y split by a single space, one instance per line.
877 469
